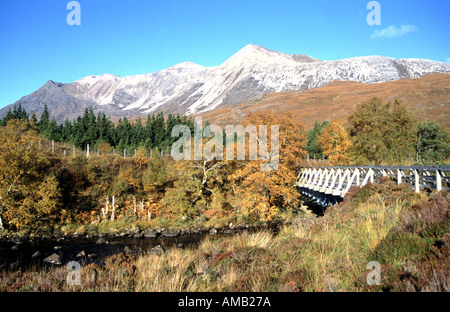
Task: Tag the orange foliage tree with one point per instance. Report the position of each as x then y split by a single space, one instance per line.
29 197
263 193
335 143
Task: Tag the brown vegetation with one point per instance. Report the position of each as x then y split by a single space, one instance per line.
426 98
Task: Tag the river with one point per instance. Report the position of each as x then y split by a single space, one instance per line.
16 254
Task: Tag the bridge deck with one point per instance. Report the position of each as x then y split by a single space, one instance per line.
325 183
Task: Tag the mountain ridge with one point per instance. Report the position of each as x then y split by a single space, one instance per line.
190 88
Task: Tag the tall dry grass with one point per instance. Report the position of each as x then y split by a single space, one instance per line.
327 253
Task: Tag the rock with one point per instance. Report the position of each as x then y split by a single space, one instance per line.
157 250
54 259
150 234
133 232
212 231
57 248
171 234
36 254
81 254
15 247
127 250
180 245
101 240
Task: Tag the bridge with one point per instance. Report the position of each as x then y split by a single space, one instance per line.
328 185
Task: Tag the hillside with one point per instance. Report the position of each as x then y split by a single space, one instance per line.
427 98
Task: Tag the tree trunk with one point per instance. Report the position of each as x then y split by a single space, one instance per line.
1 223
113 215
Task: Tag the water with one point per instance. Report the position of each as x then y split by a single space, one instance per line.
23 254
14 255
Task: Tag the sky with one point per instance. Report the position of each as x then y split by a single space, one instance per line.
131 37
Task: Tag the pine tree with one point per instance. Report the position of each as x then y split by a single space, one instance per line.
432 143
312 145
52 131
66 132
45 119
159 128
150 132
33 119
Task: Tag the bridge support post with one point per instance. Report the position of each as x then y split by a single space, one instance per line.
438 181
416 181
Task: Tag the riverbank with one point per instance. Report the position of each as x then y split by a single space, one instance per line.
407 234
116 229
21 252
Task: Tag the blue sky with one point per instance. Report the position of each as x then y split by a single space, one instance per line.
130 37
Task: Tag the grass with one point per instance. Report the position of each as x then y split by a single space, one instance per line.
407 233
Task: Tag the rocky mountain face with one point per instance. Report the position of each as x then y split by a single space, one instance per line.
188 88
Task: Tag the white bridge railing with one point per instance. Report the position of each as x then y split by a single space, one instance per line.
337 181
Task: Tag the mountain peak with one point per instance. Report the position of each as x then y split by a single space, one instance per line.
51 84
252 53
256 49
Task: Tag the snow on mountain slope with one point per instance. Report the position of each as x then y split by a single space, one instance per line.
188 88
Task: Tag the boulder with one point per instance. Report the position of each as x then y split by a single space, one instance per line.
171 234
127 250
133 232
150 234
157 250
53 259
101 241
81 254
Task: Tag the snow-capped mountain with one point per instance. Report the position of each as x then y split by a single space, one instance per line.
188 88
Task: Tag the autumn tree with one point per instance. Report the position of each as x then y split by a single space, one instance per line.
382 133
128 180
335 143
29 197
264 193
401 135
141 156
104 148
157 174
181 199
